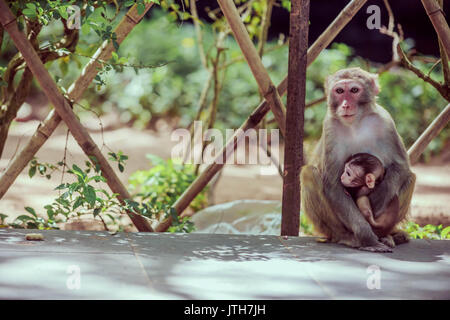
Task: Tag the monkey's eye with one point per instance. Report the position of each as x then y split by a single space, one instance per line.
339 90
347 173
354 90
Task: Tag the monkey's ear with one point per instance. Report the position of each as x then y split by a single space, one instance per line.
375 85
370 180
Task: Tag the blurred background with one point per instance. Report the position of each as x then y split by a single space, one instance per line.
157 87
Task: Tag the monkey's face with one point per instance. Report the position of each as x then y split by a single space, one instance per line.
346 97
352 176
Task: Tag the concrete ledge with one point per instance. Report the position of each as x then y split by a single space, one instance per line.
214 266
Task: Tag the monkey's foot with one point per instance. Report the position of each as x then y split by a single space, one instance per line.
388 240
400 237
379 247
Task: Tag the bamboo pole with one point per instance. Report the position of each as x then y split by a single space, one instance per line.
259 113
65 111
429 134
254 61
295 115
437 18
75 91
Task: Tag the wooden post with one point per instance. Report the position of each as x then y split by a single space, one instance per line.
254 61
259 113
296 95
429 134
437 18
75 91
65 111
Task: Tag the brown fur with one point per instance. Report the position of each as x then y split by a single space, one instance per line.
332 211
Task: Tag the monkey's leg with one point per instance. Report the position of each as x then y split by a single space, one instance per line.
318 210
363 204
405 196
383 225
386 222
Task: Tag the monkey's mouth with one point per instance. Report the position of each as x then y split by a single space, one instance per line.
348 116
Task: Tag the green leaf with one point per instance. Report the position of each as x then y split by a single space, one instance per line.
90 196
445 233
63 12
61 186
85 28
50 212
78 171
24 218
29 13
121 168
31 210
97 179
89 10
32 171
129 3
113 156
115 44
42 169
32 6
78 202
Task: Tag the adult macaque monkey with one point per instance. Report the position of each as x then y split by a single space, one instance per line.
355 123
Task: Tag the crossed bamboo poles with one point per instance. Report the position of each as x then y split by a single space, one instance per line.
63 108
265 85
270 93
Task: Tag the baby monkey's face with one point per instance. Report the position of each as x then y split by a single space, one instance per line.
353 176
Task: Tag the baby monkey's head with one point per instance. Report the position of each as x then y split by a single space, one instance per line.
362 169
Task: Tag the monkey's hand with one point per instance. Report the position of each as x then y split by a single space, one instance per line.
383 193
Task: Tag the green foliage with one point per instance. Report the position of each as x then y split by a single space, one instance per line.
413 104
44 169
174 89
427 232
120 158
82 197
159 187
414 230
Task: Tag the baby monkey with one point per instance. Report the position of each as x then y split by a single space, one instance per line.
362 172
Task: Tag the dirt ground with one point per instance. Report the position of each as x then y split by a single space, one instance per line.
430 204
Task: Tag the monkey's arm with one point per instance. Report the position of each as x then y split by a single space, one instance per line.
396 174
364 206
